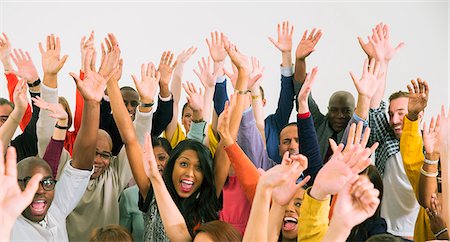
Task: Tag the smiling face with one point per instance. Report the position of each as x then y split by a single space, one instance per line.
187 175
161 157
289 228
131 100
42 200
398 108
103 153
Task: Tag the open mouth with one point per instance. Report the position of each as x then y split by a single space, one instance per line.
38 207
186 185
290 223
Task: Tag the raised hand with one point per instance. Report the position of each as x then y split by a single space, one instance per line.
86 44
240 60
194 98
20 95
93 85
437 222
166 67
148 84
150 164
368 83
257 70
431 139
307 43
340 169
13 200
223 124
26 68
5 51
418 98
283 194
232 75
378 45
284 42
206 74
110 56
56 109
355 203
217 46
185 55
51 60
306 90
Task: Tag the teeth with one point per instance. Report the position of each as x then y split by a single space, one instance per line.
290 219
187 182
39 201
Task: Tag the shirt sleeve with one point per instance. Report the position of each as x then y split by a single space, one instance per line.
220 95
312 226
162 117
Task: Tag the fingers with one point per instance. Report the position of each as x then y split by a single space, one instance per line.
76 78
333 145
2 160
11 163
365 137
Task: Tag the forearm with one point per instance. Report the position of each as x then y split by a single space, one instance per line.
241 85
207 104
162 116
309 145
258 111
220 95
51 80
445 159
336 232
286 59
53 154
173 221
257 225
362 106
84 147
427 185
175 86
60 134
276 215
164 91
7 65
221 167
9 127
300 70
313 226
379 94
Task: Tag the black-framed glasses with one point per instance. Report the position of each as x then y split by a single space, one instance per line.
48 183
104 155
3 118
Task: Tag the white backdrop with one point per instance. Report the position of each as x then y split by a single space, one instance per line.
146 29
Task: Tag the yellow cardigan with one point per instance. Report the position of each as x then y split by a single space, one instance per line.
411 149
313 218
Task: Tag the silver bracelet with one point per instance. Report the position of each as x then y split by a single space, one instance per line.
428 174
440 232
431 162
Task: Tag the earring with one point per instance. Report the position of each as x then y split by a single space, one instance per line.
198 195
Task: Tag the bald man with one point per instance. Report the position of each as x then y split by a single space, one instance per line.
332 124
45 218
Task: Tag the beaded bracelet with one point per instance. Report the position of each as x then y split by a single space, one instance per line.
428 174
431 162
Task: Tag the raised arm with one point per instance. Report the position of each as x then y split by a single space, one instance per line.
280 178
13 200
147 90
445 159
309 145
166 69
284 43
8 128
196 102
257 101
379 47
207 77
53 152
428 183
51 60
174 224
91 88
356 202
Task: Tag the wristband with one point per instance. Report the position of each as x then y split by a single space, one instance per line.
34 84
428 174
61 127
440 232
431 162
241 92
147 105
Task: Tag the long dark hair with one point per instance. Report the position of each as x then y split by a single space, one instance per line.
163 142
203 205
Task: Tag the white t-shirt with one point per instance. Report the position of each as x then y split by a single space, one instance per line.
399 206
68 191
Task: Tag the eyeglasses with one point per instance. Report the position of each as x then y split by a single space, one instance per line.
105 155
3 118
132 103
48 183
